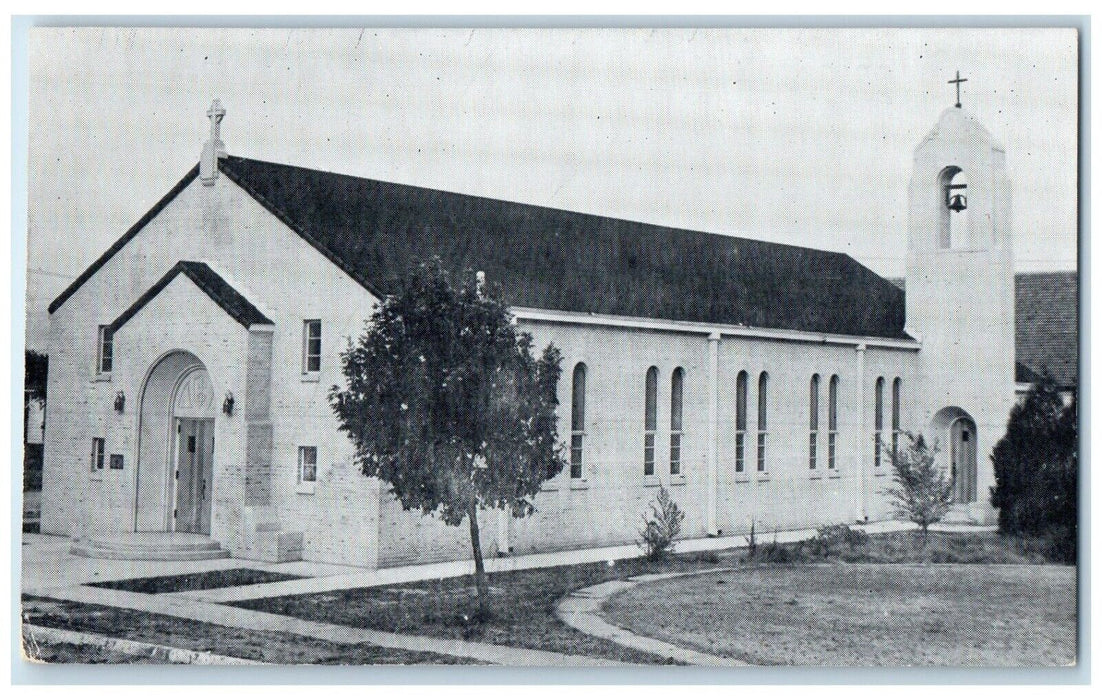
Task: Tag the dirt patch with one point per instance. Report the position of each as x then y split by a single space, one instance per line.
67 653
864 615
201 581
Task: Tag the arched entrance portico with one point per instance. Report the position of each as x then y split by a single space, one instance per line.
176 447
955 431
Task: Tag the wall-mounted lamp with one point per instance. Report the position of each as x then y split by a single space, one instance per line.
227 404
120 401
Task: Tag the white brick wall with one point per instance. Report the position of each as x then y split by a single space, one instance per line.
349 518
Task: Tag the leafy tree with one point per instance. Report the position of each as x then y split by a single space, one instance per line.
446 403
922 492
35 365
661 527
1036 470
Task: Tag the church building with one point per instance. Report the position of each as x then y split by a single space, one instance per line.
760 383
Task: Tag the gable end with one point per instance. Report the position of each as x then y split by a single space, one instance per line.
211 283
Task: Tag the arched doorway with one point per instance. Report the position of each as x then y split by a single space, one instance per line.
955 432
176 447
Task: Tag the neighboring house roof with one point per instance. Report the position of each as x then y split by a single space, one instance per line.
231 301
1046 326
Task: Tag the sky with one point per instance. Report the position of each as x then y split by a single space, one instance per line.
797 136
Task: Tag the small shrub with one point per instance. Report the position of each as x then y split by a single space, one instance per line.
708 557
922 491
751 542
833 539
661 527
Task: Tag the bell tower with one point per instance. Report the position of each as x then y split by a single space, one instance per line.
960 297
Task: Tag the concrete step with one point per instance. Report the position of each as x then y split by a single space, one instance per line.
149 546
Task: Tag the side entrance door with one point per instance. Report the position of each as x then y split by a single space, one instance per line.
963 455
194 472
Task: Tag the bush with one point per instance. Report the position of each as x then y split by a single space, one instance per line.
662 527
832 539
922 491
1037 469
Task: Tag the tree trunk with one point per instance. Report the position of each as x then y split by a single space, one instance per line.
479 568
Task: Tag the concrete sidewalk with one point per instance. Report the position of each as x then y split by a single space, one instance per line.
47 564
213 613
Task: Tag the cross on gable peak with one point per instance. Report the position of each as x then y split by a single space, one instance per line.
957 82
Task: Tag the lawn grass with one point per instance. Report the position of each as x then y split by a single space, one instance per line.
199 581
69 653
269 647
863 615
909 548
523 603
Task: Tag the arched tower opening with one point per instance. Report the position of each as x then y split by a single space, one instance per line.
953 208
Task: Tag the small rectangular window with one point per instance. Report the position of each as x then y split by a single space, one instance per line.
307 464
97 454
311 346
116 461
105 350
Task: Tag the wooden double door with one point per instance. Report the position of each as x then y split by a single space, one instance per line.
194 474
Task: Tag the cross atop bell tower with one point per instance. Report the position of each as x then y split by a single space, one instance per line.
957 82
213 149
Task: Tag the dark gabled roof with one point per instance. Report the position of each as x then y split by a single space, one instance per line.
559 260
130 233
231 301
1046 325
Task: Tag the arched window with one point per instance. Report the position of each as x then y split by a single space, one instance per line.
832 424
897 387
650 420
953 204
740 422
763 411
813 439
577 420
878 424
677 392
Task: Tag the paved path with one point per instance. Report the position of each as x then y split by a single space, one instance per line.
582 610
214 613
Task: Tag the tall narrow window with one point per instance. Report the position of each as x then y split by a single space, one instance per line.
105 350
878 424
97 454
650 421
740 422
813 435
307 464
832 424
577 420
897 387
763 410
677 392
311 346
